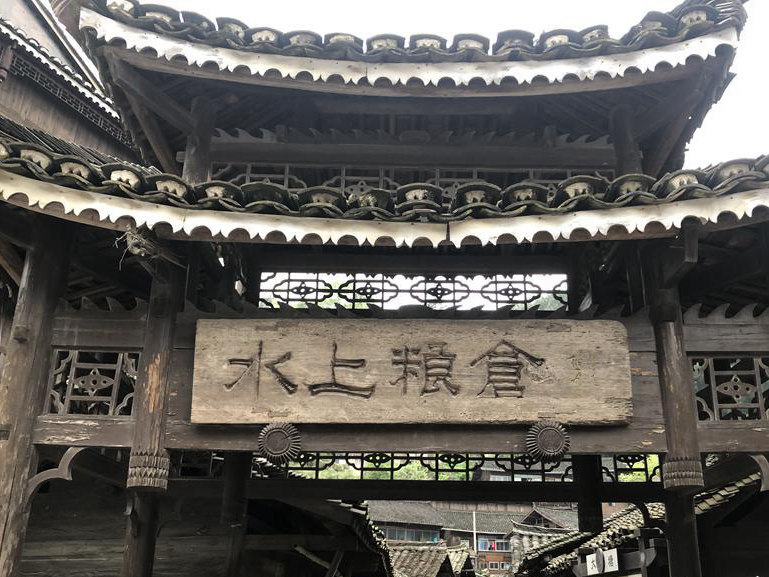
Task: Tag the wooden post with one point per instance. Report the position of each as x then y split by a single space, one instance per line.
197 156
253 273
681 534
682 467
25 379
588 474
141 535
149 463
6 320
237 469
626 150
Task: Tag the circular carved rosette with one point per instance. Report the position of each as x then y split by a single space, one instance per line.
279 443
547 441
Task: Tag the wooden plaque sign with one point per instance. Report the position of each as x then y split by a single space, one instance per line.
411 371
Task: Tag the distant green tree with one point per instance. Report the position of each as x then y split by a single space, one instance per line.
652 461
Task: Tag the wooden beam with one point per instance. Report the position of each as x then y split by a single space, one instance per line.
92 464
331 569
682 469
588 475
730 271
311 542
626 151
154 135
661 113
16 226
141 535
25 379
322 260
7 306
412 155
681 535
237 470
11 261
312 492
730 469
413 106
149 461
148 94
197 157
658 152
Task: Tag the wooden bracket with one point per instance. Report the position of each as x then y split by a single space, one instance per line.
332 569
152 97
679 260
63 471
143 244
763 465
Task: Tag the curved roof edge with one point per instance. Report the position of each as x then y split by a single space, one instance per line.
690 19
172 53
117 213
82 86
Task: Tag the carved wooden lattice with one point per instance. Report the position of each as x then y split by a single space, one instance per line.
731 388
362 291
502 467
85 382
354 179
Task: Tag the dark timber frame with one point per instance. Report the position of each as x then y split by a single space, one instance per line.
641 122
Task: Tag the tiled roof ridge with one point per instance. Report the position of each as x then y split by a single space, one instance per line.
688 20
41 54
418 201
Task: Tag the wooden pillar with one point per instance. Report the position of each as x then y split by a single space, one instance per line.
237 470
25 379
588 474
141 535
682 467
197 155
6 320
626 150
681 535
149 462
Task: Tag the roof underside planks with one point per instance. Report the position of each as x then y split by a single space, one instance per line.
670 86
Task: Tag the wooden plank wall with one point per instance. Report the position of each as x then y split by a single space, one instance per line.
646 432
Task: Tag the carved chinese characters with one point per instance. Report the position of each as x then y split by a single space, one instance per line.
396 371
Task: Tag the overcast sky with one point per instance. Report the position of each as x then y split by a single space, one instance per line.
736 126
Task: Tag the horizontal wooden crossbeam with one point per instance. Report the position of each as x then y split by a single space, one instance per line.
410 155
362 489
715 437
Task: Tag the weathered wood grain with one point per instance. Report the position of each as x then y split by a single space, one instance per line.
393 371
25 379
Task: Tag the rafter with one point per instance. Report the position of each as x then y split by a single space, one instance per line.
152 97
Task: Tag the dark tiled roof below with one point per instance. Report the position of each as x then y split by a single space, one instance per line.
425 514
557 556
421 560
415 202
